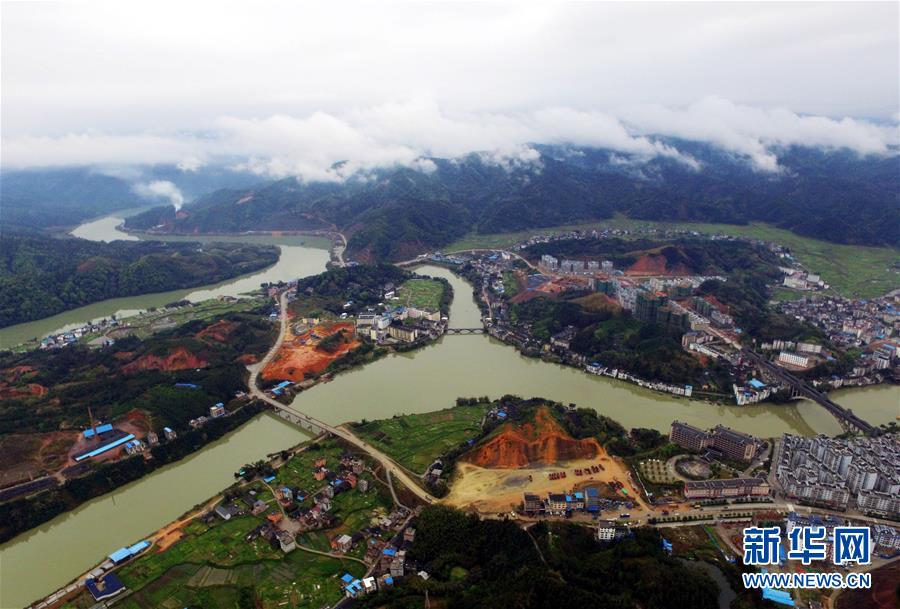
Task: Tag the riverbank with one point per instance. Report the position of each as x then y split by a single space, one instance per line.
32 563
206 546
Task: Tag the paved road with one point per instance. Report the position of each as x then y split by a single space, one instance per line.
390 466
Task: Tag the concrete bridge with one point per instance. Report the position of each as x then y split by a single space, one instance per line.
466 331
289 413
845 416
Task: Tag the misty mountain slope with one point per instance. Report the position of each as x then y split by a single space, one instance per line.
390 213
49 198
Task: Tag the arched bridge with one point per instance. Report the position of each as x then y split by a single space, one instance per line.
466 331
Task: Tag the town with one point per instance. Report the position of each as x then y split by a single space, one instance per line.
868 328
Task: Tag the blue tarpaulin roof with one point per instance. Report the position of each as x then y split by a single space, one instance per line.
346 578
757 384
120 555
106 428
390 552
139 547
112 585
105 448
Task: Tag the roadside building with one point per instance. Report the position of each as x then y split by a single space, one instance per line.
532 504
722 489
556 504
606 531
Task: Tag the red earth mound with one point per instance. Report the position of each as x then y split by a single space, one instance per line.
543 441
656 264
177 359
299 354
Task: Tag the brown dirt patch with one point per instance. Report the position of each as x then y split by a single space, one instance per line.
218 331
9 392
656 264
26 456
543 441
177 359
299 353
882 595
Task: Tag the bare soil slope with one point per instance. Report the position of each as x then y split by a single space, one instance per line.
543 441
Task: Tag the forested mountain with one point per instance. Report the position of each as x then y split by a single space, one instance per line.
495 564
392 213
41 276
45 198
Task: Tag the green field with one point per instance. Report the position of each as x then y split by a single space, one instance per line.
782 294
510 284
421 293
416 440
213 566
851 270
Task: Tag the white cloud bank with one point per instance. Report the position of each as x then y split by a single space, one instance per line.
328 146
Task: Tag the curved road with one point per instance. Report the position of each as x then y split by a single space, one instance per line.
391 468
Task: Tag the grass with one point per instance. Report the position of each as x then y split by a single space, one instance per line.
510 284
208 309
656 472
213 566
850 270
416 440
782 294
421 293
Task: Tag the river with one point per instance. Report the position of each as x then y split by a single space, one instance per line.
431 378
475 365
300 256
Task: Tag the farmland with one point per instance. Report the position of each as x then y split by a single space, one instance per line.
421 293
214 564
416 440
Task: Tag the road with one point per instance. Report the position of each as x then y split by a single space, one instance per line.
391 468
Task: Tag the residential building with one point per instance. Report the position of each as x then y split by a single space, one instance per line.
606 531
793 359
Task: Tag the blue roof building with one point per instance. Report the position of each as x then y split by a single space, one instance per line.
104 448
105 587
101 429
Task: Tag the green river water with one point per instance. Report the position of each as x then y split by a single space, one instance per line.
42 560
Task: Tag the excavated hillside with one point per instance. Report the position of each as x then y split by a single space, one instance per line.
177 359
657 264
540 441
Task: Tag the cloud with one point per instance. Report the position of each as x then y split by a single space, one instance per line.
324 146
161 189
190 164
757 133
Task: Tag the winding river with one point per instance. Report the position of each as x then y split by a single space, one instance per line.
40 561
300 256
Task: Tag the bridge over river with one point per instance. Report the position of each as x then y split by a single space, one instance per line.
845 416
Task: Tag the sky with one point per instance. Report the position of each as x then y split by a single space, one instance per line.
292 88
